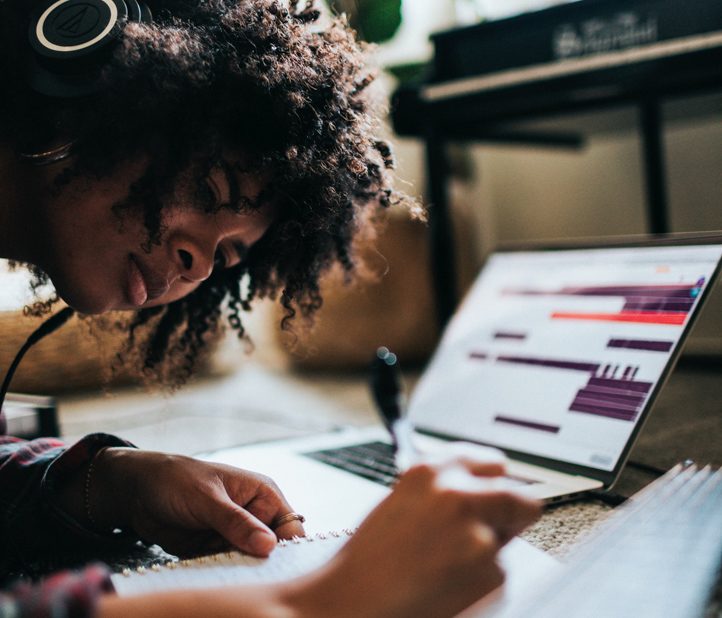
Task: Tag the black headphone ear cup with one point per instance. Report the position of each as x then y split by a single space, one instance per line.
71 38
146 16
138 12
74 29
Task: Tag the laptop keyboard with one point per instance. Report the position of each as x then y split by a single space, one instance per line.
373 461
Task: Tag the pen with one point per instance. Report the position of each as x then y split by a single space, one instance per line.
391 404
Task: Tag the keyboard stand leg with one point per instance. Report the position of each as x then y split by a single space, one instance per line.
653 145
443 260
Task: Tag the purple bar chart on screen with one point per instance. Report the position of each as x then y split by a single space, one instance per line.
605 394
560 353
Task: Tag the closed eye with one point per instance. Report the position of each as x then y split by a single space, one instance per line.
208 195
230 256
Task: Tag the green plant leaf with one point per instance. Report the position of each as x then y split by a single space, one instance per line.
375 21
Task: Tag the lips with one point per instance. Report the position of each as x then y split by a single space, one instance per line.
144 283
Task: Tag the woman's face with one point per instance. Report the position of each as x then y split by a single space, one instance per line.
99 262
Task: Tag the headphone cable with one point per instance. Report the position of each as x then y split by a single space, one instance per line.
50 325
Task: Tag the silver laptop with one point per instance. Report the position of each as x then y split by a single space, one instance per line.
555 357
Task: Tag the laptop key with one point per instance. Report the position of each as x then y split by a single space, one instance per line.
373 461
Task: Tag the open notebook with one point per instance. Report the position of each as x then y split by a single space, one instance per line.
555 356
525 567
657 555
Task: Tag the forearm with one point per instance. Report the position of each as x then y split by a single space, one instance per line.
248 602
32 475
313 596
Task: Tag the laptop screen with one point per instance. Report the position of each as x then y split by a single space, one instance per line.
557 354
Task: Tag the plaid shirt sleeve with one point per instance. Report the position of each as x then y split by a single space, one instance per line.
29 472
64 595
33 524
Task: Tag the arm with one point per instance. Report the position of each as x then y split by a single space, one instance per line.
42 492
184 505
428 550
32 520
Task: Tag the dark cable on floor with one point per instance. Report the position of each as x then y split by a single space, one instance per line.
608 497
614 499
646 468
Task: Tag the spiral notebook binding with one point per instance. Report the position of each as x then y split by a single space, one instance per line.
201 560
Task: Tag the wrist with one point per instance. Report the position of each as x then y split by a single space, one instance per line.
91 494
106 489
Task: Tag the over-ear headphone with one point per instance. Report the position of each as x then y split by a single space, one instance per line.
71 38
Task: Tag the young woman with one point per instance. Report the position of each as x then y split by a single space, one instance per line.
171 160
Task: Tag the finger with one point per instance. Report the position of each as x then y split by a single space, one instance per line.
479 460
216 545
478 452
242 529
484 468
272 508
288 529
465 477
210 543
506 512
267 503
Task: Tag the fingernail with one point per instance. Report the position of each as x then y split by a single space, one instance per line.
261 542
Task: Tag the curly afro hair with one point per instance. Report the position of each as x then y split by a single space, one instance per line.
204 78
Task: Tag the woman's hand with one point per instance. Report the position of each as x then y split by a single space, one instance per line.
185 505
429 549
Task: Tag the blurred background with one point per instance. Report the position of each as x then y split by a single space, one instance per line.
499 191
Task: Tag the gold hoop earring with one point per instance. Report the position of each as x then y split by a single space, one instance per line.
46 158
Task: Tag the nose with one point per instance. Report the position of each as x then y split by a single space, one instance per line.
195 266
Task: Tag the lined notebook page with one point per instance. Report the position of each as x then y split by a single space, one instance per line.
290 559
524 564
